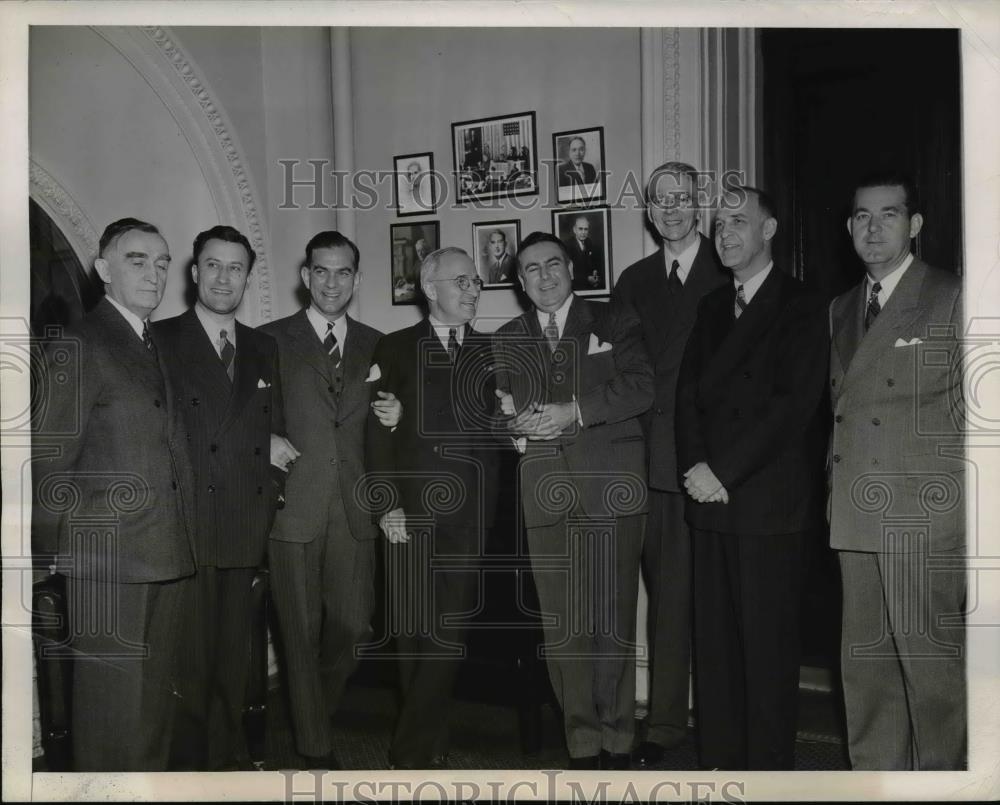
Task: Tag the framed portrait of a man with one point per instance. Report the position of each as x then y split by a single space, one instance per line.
579 165
586 234
495 244
414 188
409 244
495 157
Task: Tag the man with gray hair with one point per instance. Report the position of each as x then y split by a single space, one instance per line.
439 469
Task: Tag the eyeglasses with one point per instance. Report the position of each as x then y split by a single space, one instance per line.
464 282
673 200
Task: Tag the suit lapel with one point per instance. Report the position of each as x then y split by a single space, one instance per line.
204 360
245 375
132 352
894 320
848 325
357 356
309 346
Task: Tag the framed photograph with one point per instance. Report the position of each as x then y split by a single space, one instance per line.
586 233
495 157
414 186
579 160
495 244
409 244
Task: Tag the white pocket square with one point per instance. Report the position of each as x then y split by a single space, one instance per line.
902 342
596 345
262 385
374 373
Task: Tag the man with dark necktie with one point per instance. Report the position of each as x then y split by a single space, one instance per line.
322 545
226 384
665 289
113 501
440 465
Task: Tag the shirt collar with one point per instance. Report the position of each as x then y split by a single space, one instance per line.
133 321
889 281
684 260
441 331
752 285
319 324
561 315
213 328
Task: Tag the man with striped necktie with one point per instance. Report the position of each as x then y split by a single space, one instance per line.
226 386
322 546
749 445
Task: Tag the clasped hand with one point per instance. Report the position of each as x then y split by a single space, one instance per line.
703 485
538 422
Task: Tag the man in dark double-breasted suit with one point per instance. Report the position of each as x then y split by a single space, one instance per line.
226 385
440 463
113 500
748 399
897 496
664 289
322 545
574 377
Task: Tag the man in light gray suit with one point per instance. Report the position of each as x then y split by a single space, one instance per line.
897 492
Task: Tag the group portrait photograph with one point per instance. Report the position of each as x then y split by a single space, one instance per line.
479 401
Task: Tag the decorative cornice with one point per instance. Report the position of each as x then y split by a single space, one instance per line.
671 94
71 218
222 129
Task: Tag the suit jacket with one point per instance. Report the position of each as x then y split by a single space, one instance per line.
229 426
667 317
109 443
325 413
586 260
600 363
441 459
897 413
568 174
503 271
748 399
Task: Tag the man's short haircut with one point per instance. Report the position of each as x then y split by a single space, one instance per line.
890 178
227 234
331 239
432 262
574 139
499 232
672 168
764 201
537 237
115 230
581 218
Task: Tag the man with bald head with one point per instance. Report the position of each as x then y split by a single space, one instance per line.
114 445
748 398
439 464
664 289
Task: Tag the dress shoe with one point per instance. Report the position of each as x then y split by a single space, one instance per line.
614 761
648 754
585 762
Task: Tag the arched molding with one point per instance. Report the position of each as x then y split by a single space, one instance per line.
172 74
81 234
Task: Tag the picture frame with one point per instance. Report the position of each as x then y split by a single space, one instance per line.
481 153
496 270
580 171
414 185
409 244
591 253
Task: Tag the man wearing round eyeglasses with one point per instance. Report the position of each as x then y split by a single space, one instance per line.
439 465
665 289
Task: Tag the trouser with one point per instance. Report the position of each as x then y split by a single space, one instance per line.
746 648
126 639
587 576
903 660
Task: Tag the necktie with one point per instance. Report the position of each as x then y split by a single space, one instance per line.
227 352
147 339
741 301
552 331
673 279
452 344
874 308
330 344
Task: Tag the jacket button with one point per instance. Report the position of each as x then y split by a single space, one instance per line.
874 462
558 377
211 487
876 421
890 382
838 418
435 448
260 490
659 410
156 403
195 401
256 451
213 448
833 381
330 389
266 409
836 458
746 375
336 424
333 461
173 484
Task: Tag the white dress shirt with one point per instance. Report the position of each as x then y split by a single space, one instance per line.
319 323
134 321
684 260
441 331
752 285
213 329
561 315
888 282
